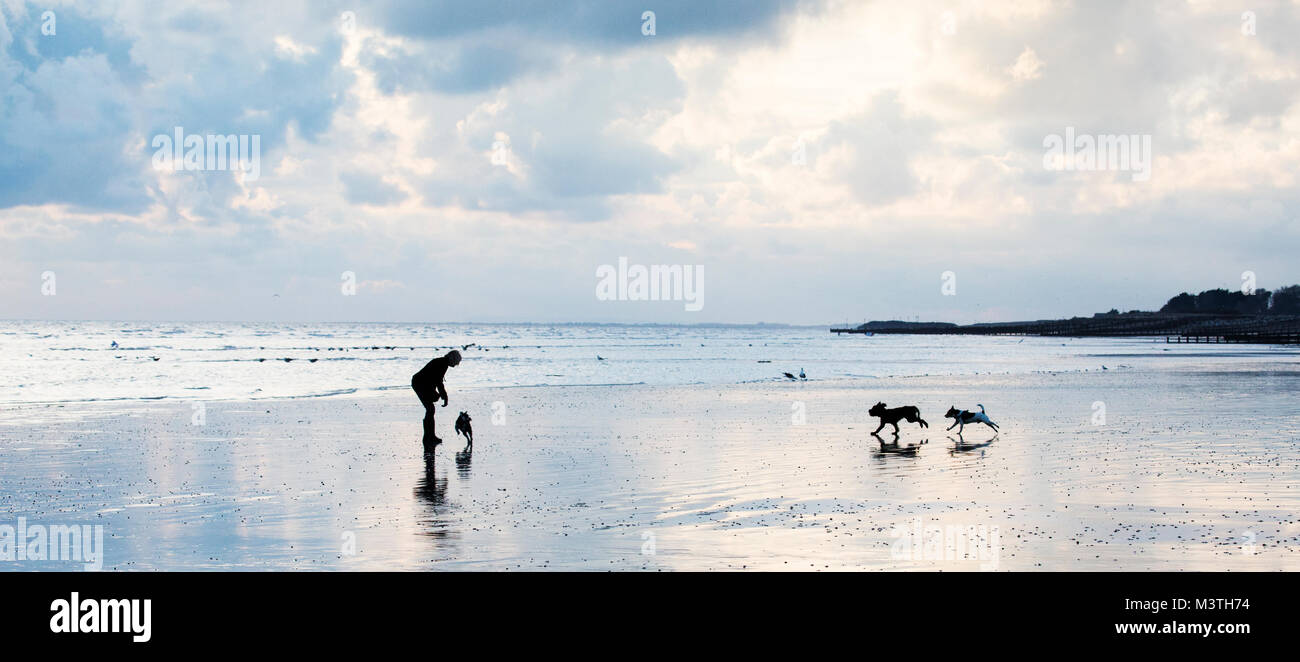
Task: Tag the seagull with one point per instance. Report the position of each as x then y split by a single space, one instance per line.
600 358
801 375
114 345
790 376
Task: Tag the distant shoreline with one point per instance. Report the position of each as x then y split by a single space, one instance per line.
667 325
1175 327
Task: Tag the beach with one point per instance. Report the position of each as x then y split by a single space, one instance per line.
1191 465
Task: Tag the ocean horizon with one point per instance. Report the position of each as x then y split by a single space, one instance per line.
43 362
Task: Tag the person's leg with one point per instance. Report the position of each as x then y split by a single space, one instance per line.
430 434
426 395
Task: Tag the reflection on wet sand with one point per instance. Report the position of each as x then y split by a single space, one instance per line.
431 493
463 459
704 472
894 448
960 445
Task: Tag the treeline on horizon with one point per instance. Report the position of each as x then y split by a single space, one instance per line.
1283 301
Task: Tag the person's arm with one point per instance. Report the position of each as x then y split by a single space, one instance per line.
442 392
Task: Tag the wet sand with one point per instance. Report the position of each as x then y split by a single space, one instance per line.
1191 470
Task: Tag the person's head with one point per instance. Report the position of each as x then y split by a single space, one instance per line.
453 358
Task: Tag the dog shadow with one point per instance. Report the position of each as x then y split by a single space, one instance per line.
895 448
463 460
960 445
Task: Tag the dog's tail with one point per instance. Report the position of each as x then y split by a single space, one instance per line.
981 408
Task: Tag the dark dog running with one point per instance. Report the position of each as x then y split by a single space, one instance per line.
893 416
462 427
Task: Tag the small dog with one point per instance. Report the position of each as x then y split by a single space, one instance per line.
962 417
893 416
463 427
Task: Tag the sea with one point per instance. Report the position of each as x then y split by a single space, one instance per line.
62 362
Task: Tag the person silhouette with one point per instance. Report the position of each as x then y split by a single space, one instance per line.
428 385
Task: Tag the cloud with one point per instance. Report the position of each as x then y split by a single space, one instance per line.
530 149
64 137
361 188
600 23
501 150
81 104
870 153
473 67
1027 67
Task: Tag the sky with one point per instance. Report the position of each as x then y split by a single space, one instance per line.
806 162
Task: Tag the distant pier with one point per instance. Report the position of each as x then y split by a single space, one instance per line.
1176 328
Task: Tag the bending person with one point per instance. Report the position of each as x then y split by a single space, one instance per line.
429 387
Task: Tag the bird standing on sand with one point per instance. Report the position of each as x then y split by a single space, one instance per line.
802 376
790 376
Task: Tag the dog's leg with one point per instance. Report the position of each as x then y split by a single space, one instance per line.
954 424
923 423
895 428
882 426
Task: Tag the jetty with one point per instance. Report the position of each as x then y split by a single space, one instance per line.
1174 327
